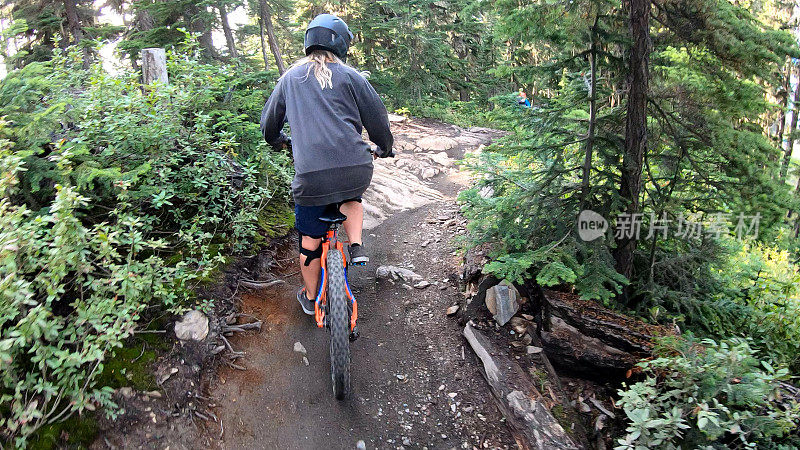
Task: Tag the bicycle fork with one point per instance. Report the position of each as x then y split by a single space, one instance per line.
320 302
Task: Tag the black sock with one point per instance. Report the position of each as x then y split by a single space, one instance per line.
355 245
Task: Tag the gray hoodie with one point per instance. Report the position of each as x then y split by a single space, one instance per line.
332 162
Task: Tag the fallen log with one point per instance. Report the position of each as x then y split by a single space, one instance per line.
592 319
522 405
585 337
578 352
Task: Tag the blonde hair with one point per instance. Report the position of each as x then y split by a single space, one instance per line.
318 61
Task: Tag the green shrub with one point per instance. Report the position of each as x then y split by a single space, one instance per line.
708 394
113 198
69 295
746 290
767 284
526 204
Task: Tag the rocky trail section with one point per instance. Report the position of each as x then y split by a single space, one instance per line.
424 150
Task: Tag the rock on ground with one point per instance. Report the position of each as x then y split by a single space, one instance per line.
438 143
501 300
397 273
192 327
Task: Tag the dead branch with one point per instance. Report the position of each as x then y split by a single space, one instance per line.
254 284
234 353
242 327
235 366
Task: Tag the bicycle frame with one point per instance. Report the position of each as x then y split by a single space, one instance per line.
320 302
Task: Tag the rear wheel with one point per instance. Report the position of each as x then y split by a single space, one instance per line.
339 322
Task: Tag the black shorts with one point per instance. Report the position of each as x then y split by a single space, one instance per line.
306 219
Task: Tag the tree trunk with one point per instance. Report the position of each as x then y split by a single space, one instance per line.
368 46
263 43
266 19
154 66
143 21
784 102
787 155
797 220
74 23
198 25
635 127
589 150
226 29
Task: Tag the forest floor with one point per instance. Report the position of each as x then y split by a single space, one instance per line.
414 384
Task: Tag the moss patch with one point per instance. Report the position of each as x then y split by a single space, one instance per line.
275 220
75 432
126 366
560 415
130 366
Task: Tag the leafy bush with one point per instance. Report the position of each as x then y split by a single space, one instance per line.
112 198
746 289
70 294
708 394
767 284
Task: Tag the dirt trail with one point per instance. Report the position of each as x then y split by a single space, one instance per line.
414 383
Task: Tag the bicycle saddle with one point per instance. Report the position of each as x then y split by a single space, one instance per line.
332 215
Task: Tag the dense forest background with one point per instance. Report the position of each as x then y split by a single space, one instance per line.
677 116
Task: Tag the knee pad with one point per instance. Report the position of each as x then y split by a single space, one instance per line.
309 254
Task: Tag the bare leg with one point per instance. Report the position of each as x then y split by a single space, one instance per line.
310 272
355 220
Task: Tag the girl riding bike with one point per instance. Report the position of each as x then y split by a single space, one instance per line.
327 103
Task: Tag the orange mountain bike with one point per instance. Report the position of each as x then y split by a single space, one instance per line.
335 307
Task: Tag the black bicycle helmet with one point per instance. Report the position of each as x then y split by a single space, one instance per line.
328 32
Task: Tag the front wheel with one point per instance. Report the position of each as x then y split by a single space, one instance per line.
339 322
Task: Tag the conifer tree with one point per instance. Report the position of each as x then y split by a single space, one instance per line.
42 25
158 24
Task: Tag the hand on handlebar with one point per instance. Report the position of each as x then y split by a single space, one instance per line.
283 142
374 150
